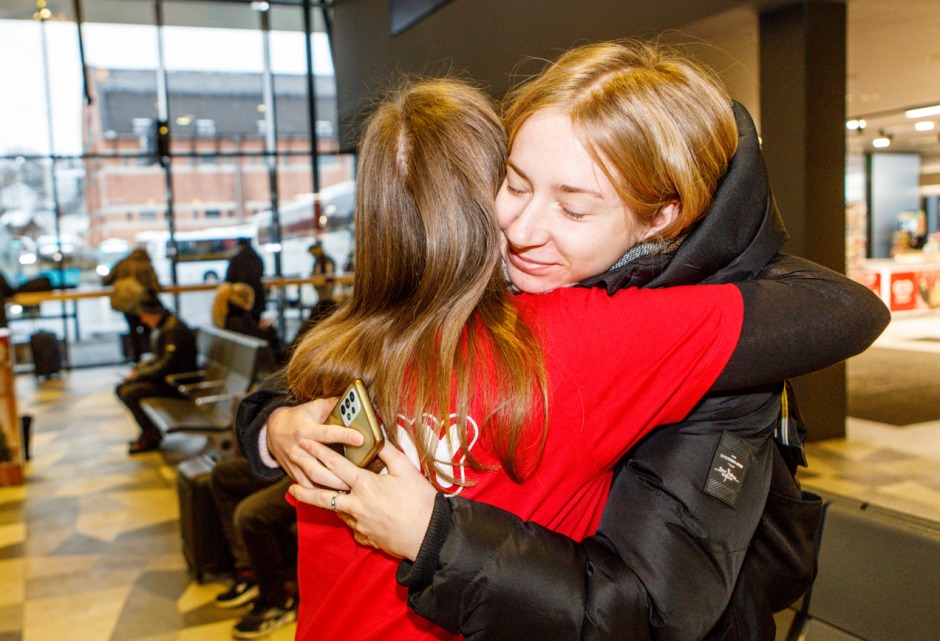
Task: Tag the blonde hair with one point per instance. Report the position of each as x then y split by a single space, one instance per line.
660 126
238 294
430 313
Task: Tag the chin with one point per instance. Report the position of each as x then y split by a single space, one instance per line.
531 284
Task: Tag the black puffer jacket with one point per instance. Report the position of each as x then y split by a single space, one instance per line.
174 351
667 560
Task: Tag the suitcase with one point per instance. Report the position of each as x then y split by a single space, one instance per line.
204 544
47 357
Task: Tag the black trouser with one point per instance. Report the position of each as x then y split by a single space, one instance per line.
132 393
257 520
139 336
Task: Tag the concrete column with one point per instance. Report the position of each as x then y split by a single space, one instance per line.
802 99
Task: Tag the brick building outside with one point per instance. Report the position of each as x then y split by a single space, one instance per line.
212 117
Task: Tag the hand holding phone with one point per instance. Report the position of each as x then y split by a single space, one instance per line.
355 410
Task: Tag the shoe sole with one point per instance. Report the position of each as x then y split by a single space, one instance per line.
245 597
286 620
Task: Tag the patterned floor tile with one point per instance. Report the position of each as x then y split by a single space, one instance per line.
913 491
38 567
12 582
198 596
11 512
150 607
11 620
12 533
102 575
85 616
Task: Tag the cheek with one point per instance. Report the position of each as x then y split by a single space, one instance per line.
503 210
592 250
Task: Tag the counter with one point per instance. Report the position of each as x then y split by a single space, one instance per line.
909 282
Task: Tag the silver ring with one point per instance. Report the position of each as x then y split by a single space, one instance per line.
333 501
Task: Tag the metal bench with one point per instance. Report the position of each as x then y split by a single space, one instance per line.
878 578
231 364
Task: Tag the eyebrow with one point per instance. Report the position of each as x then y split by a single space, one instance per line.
568 189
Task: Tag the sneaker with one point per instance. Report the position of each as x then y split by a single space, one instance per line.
265 619
243 590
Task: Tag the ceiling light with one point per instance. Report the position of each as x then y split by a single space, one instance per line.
880 143
852 124
924 125
924 112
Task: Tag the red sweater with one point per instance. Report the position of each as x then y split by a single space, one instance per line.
617 367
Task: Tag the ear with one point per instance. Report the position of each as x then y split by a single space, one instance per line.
664 217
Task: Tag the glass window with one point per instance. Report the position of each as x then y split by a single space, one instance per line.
72 219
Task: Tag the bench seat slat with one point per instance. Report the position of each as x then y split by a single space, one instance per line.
182 415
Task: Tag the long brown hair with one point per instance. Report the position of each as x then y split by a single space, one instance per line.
660 126
429 312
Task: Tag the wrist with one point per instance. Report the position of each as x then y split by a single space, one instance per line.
419 573
264 450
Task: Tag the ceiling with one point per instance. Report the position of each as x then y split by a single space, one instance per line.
893 65
893 54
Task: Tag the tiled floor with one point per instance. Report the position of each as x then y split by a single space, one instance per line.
894 467
90 546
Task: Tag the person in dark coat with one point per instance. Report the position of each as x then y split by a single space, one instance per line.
174 352
6 293
247 267
231 310
258 524
136 265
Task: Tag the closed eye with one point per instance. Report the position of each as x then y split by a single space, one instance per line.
572 215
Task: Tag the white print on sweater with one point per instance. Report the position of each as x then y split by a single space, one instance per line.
447 454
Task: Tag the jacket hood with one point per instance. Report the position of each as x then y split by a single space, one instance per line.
736 238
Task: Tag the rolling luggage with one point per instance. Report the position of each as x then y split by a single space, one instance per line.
204 545
47 357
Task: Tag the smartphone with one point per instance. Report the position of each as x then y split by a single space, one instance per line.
355 410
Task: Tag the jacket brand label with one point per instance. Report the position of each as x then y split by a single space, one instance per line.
728 469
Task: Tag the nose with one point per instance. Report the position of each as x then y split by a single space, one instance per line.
527 227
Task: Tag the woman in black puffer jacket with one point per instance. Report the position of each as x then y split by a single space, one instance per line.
676 556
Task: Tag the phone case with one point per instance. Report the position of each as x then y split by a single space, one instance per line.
354 410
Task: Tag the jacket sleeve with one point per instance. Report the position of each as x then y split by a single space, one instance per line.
170 358
800 317
251 416
665 560
662 565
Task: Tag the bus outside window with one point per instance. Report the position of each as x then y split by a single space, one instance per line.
202 255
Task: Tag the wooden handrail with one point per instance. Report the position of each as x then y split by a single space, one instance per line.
34 298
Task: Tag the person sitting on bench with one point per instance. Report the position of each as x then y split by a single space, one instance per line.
257 521
174 352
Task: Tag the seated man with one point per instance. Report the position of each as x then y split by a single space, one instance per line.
257 521
174 352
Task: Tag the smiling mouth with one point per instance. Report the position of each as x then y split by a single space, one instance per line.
527 264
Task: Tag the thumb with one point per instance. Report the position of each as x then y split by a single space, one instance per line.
397 463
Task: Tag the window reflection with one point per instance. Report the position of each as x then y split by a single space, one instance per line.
71 217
